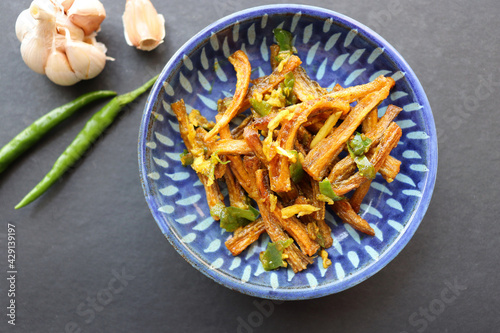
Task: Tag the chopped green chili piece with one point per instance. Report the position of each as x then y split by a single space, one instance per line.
296 170
359 144
186 158
284 39
231 218
325 187
287 86
357 147
262 108
272 257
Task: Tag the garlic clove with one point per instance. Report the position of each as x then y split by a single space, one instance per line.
86 60
143 27
58 69
87 14
36 44
24 24
63 23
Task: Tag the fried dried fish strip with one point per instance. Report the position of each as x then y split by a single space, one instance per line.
229 147
318 159
252 138
344 210
358 195
237 132
352 94
296 258
237 197
390 168
188 134
291 225
280 171
305 88
388 141
243 70
244 237
346 167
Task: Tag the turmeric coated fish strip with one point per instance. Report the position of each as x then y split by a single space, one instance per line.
344 210
243 70
318 159
244 237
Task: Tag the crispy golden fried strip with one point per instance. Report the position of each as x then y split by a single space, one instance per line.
352 94
252 138
296 258
390 168
358 195
370 121
344 210
326 233
318 159
346 167
304 87
244 178
319 215
237 132
243 70
237 197
279 171
369 124
189 134
243 237
229 147
291 225
388 141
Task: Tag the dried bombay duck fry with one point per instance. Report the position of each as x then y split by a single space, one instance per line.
291 129
188 134
326 150
245 236
291 225
243 70
279 168
344 210
296 258
387 143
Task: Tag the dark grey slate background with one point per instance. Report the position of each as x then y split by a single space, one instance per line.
95 222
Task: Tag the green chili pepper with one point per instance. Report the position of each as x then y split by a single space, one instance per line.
287 86
90 132
357 148
262 108
325 187
30 135
284 39
272 257
296 170
231 218
359 144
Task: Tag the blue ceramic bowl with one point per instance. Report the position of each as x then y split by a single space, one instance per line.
334 49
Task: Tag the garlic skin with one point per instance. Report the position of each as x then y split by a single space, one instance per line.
87 14
143 27
24 24
66 4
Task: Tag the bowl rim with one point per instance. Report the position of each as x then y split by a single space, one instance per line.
391 251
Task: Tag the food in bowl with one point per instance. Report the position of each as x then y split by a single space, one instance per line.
300 148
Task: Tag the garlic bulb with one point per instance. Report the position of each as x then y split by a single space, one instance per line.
144 28
87 14
61 45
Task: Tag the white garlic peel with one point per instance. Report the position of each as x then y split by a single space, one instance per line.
60 45
143 27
